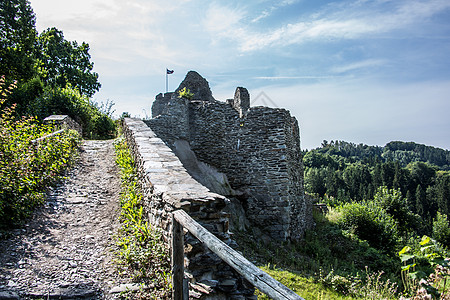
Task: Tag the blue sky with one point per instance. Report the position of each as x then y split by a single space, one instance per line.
355 70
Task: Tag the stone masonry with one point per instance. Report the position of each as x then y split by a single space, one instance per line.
257 148
63 121
166 187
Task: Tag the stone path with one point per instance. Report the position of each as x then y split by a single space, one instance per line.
65 250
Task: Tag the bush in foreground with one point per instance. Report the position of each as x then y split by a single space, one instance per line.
27 168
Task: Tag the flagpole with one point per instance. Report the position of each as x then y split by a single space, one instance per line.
168 72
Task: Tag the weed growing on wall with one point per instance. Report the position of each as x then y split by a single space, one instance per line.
27 168
142 253
185 93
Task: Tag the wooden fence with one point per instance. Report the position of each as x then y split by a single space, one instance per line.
260 279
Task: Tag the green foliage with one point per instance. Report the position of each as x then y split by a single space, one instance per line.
62 63
17 39
307 288
441 229
425 271
141 247
392 201
412 191
407 152
328 263
370 223
68 101
27 168
125 115
25 94
366 286
421 173
185 93
54 76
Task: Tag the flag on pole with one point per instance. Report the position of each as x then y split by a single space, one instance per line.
168 72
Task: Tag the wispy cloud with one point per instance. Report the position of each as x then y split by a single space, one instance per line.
369 63
293 77
222 19
348 20
268 11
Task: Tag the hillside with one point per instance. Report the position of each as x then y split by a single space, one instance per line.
382 202
403 152
340 172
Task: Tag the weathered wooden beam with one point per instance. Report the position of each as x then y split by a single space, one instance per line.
177 261
260 279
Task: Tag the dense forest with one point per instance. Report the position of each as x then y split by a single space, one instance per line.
414 175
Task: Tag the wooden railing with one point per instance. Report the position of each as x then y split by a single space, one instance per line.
258 278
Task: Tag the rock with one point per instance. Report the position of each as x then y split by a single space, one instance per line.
7 295
197 85
227 285
126 287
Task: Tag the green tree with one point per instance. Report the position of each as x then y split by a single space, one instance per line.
387 173
314 181
443 192
17 39
422 173
376 176
392 201
371 223
63 63
441 229
421 199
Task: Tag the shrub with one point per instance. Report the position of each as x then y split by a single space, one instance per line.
185 93
441 229
370 223
26 169
394 204
97 124
425 273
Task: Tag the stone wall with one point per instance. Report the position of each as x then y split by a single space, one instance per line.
258 148
167 186
63 121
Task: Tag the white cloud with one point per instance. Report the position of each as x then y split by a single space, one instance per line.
221 19
338 21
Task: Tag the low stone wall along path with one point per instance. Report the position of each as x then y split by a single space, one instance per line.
65 250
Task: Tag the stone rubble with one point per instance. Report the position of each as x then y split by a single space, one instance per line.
65 251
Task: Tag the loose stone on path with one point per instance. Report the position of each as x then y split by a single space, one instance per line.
65 249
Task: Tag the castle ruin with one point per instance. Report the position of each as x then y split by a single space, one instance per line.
248 154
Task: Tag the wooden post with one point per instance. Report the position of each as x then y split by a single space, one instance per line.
260 279
177 260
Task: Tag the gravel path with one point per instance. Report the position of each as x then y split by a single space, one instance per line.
65 250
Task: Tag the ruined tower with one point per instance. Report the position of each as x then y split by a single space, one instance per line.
257 148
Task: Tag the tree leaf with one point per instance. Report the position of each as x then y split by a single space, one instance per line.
404 250
425 240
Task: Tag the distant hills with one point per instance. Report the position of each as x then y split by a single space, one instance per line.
403 152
